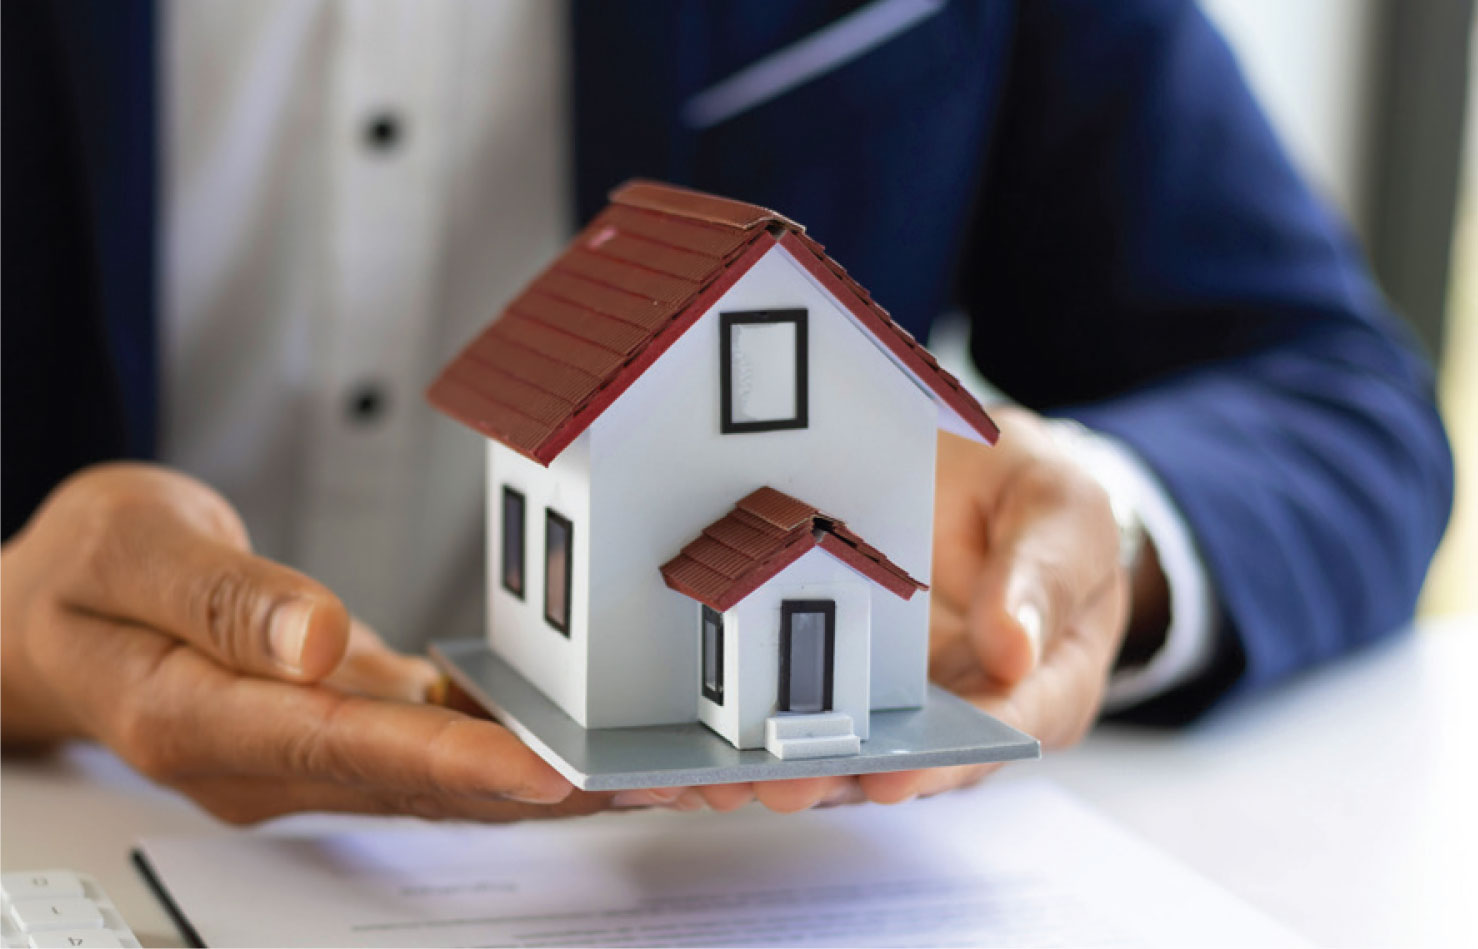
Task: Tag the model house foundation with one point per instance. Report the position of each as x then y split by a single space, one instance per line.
710 479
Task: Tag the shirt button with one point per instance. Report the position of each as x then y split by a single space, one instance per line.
367 403
383 130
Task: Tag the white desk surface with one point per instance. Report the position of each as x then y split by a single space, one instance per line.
1344 804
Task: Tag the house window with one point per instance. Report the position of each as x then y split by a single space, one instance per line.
559 558
713 655
513 533
762 369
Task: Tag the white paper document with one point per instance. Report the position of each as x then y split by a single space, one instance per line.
1015 863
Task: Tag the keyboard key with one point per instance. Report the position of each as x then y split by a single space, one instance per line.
80 938
40 915
46 885
58 908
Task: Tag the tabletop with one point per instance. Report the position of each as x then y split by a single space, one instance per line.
1341 804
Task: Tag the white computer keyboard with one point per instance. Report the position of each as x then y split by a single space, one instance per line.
59 908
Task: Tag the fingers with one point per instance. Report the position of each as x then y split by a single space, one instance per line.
690 799
727 797
177 715
361 741
891 787
241 800
450 695
171 556
1053 548
372 669
785 797
896 787
798 794
646 797
1060 700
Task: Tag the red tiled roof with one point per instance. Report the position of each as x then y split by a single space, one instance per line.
632 282
765 533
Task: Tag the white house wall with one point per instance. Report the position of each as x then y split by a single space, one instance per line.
661 471
517 629
752 647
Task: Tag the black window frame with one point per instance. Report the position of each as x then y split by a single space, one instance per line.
716 696
727 322
511 493
789 608
551 519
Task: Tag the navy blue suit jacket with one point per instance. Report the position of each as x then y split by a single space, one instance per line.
1090 182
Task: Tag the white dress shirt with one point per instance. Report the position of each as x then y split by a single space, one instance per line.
352 189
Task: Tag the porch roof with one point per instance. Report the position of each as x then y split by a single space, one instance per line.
766 532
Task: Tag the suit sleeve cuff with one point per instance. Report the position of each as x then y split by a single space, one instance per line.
1190 639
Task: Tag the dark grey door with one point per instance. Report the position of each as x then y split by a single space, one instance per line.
807 652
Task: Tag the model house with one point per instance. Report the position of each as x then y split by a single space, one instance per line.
710 478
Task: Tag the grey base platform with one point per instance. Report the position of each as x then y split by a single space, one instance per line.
946 731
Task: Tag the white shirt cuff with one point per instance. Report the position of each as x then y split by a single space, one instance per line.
1189 640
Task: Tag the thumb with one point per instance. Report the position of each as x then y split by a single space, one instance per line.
1016 606
160 567
1051 549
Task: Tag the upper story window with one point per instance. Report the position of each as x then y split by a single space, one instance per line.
762 369
559 561
513 534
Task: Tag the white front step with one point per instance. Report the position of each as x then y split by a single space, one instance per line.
817 735
790 749
808 725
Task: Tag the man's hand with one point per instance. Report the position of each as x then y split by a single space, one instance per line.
1029 605
135 613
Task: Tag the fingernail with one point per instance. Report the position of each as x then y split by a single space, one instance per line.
688 800
848 793
437 691
1030 619
288 632
533 796
643 797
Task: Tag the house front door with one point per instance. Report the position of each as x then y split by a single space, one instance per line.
807 654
